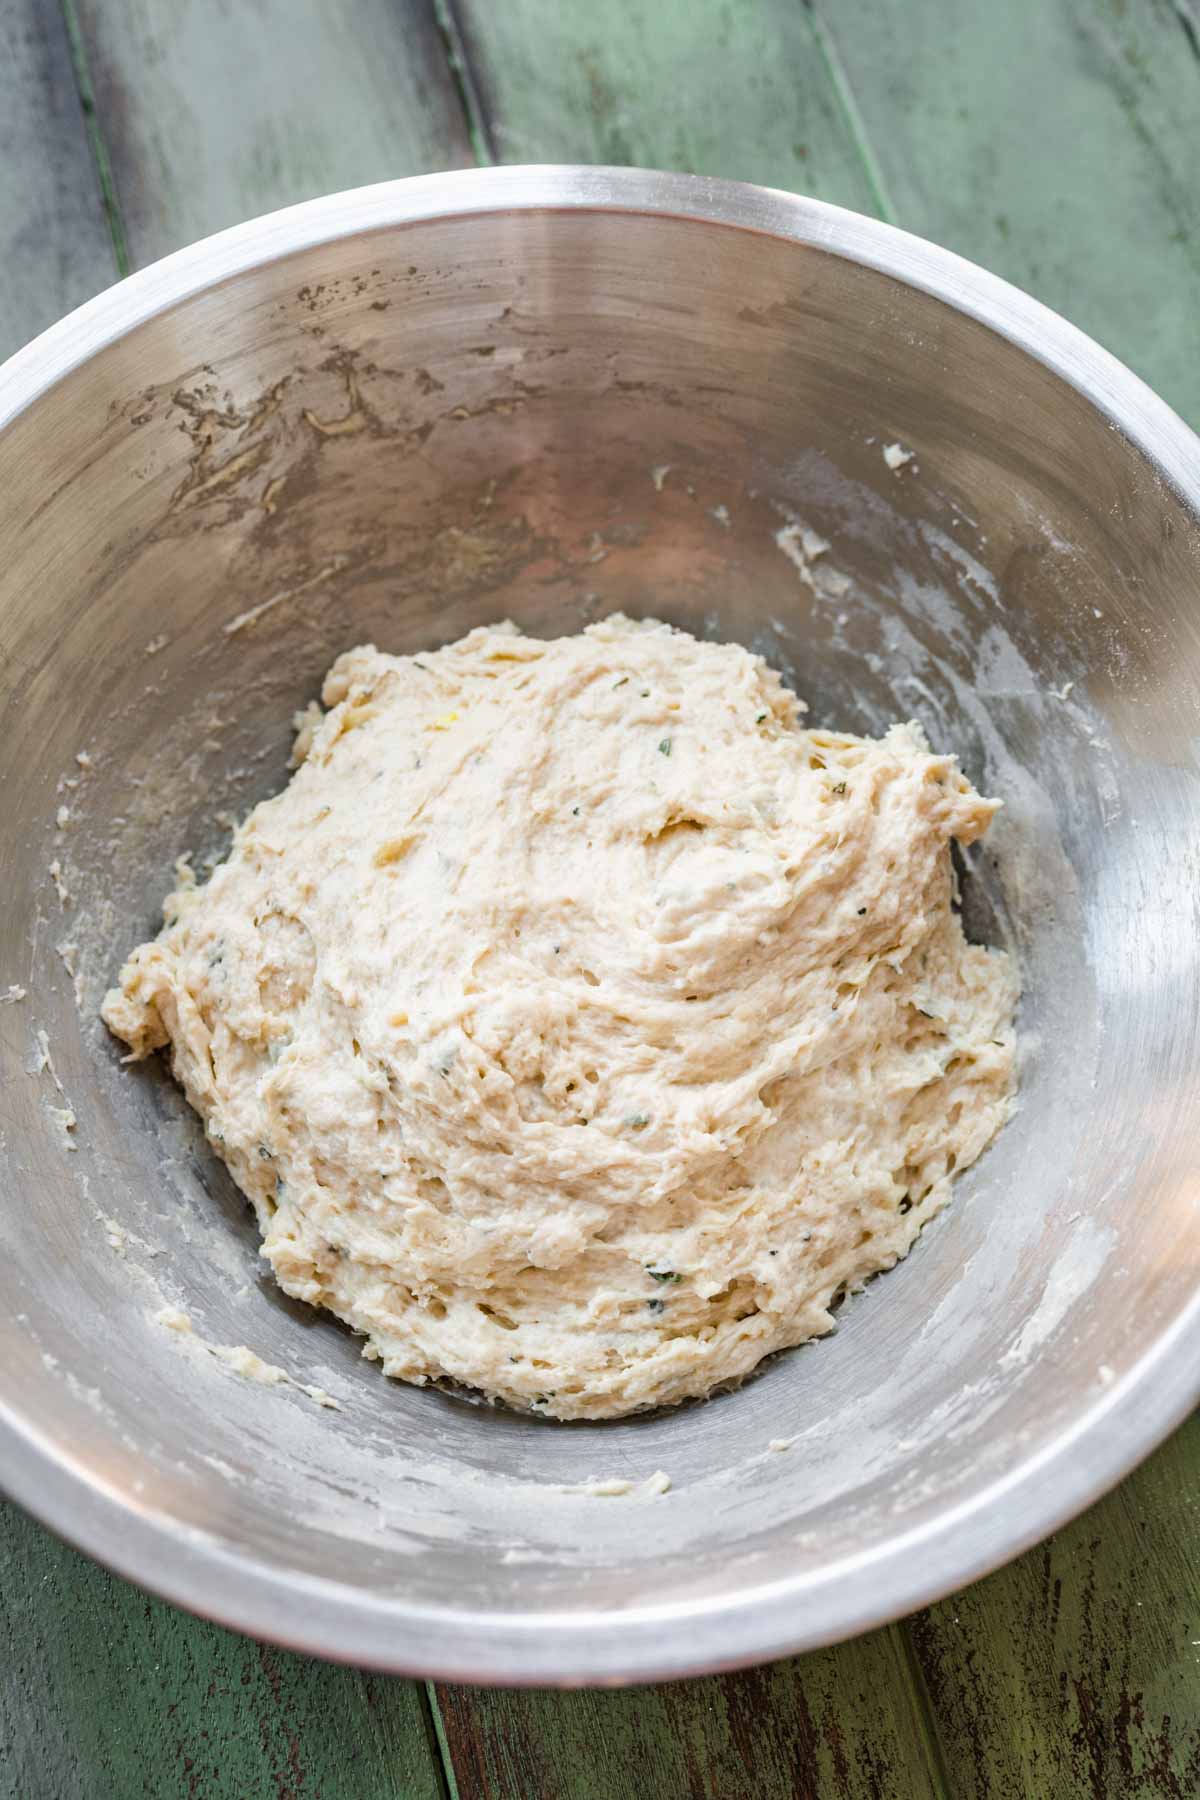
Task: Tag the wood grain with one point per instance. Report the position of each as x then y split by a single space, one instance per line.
209 114
1054 141
108 1695
707 86
55 245
212 113
842 1724
1076 1671
1039 138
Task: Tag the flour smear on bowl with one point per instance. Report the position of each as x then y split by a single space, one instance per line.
580 1025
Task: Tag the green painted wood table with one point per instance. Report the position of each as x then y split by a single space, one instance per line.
1058 143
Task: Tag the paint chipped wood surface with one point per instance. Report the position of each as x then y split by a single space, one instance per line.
848 1722
107 1695
1076 1671
212 114
1055 141
55 246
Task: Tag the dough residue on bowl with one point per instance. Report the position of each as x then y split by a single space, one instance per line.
581 1026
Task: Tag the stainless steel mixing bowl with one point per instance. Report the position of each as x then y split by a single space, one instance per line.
548 393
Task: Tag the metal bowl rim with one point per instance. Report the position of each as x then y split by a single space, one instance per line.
325 1618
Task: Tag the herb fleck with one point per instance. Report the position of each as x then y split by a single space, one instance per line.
637 1121
617 684
861 911
663 1274
838 788
664 747
264 1152
656 1306
760 718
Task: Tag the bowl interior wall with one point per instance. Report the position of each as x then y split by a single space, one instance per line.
548 417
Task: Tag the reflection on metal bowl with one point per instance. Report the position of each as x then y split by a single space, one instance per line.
547 394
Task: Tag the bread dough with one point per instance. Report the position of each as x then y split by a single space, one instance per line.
579 1025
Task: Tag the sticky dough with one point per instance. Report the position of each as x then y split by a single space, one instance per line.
580 1026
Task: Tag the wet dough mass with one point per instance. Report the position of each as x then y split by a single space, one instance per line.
580 1025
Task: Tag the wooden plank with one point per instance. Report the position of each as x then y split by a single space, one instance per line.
1054 141
55 245
568 81
213 114
700 85
1076 1671
209 115
993 129
843 1724
107 1695
708 87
